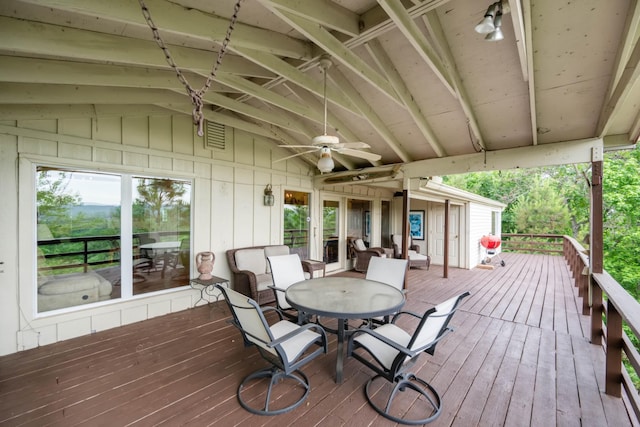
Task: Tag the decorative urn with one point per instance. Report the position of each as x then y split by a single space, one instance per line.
204 264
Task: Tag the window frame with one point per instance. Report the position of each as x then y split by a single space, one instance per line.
126 229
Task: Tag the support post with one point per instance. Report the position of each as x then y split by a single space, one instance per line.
445 267
595 247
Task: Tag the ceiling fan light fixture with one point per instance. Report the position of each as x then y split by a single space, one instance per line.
325 162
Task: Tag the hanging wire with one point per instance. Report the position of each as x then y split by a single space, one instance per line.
195 95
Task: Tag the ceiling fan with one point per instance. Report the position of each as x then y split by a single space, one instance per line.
328 143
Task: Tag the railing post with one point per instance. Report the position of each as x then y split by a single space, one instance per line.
613 376
584 289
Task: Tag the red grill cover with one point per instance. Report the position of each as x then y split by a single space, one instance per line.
490 241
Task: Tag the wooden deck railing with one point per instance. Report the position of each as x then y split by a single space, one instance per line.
532 243
607 321
80 254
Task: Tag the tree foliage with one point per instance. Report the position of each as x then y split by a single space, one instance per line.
541 210
54 201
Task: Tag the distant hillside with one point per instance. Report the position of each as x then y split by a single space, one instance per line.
93 210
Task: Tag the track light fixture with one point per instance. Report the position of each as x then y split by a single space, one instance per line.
491 23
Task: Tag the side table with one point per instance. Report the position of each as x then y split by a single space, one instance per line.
207 287
314 265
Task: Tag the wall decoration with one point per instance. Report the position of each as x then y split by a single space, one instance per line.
416 225
367 223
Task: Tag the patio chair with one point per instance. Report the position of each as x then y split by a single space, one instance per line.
285 345
390 271
285 271
394 352
416 259
362 254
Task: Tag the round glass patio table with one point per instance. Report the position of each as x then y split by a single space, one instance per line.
344 298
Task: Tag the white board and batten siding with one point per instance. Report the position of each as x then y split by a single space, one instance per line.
228 211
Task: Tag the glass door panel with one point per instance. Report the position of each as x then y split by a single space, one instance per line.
331 232
296 222
385 217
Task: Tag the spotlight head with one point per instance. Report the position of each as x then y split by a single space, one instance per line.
496 35
486 25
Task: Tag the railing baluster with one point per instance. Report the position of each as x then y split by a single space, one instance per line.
613 371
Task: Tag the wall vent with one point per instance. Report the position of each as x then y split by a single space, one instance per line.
214 136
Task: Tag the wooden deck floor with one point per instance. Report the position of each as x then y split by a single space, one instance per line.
518 357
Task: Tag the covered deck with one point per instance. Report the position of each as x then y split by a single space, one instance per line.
520 355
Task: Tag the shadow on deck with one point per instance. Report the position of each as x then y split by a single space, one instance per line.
519 356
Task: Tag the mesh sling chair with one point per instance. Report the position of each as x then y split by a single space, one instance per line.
286 270
285 345
390 271
392 352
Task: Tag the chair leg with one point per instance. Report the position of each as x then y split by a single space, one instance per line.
275 376
404 382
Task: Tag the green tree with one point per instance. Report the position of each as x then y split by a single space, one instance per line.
54 201
159 202
542 210
621 227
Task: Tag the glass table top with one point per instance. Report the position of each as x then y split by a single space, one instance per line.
345 297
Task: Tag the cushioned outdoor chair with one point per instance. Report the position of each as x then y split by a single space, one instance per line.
416 259
362 254
286 270
285 345
390 271
394 353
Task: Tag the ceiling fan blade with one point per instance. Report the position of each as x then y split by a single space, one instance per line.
361 154
299 146
358 144
297 154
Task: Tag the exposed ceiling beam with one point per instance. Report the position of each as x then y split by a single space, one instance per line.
290 73
528 40
31 70
338 51
416 38
433 24
560 153
76 111
384 62
260 114
626 71
376 22
372 117
19 37
32 93
325 13
266 95
222 118
517 18
173 19
27 70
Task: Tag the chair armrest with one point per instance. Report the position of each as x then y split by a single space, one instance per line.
317 328
415 248
376 251
384 339
410 313
270 308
